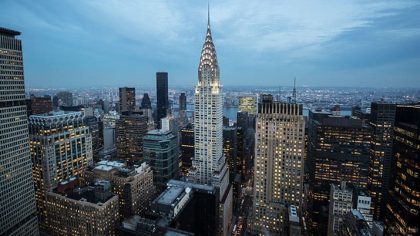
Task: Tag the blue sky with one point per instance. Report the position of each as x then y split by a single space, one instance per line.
75 43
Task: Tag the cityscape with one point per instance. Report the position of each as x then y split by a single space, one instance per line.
288 156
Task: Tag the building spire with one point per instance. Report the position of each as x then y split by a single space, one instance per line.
294 91
208 14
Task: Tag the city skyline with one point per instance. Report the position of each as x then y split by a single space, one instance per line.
356 44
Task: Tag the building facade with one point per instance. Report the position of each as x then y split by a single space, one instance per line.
65 98
91 210
402 209
162 105
279 162
341 203
39 105
161 153
187 148
381 121
248 104
130 130
127 101
17 211
338 150
61 147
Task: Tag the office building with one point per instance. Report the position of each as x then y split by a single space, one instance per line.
39 105
279 162
133 184
65 98
91 210
341 203
248 104
109 136
402 209
187 148
96 130
230 150
17 202
209 165
162 105
127 101
61 147
182 102
183 118
161 153
130 130
381 121
338 150
364 206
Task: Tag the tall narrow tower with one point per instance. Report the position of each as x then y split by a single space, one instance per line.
209 165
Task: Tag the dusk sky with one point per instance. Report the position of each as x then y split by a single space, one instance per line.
71 43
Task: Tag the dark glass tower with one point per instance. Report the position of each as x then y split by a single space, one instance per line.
338 150
402 214
145 102
382 124
127 99
162 96
182 102
17 198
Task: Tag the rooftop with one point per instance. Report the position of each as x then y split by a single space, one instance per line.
170 195
8 32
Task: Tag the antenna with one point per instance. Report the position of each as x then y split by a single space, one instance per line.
294 90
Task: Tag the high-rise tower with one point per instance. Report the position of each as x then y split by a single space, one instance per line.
209 165
17 198
162 96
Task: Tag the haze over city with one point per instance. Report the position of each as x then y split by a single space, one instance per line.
71 44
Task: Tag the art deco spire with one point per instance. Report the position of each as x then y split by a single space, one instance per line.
208 70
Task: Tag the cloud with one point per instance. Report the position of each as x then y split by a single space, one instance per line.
273 25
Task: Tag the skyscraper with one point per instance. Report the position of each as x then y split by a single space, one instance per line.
209 165
161 153
145 102
402 209
162 96
279 162
183 119
17 199
39 105
182 102
338 150
127 99
187 148
382 124
130 130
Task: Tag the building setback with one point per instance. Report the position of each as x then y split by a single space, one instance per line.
279 162
17 203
